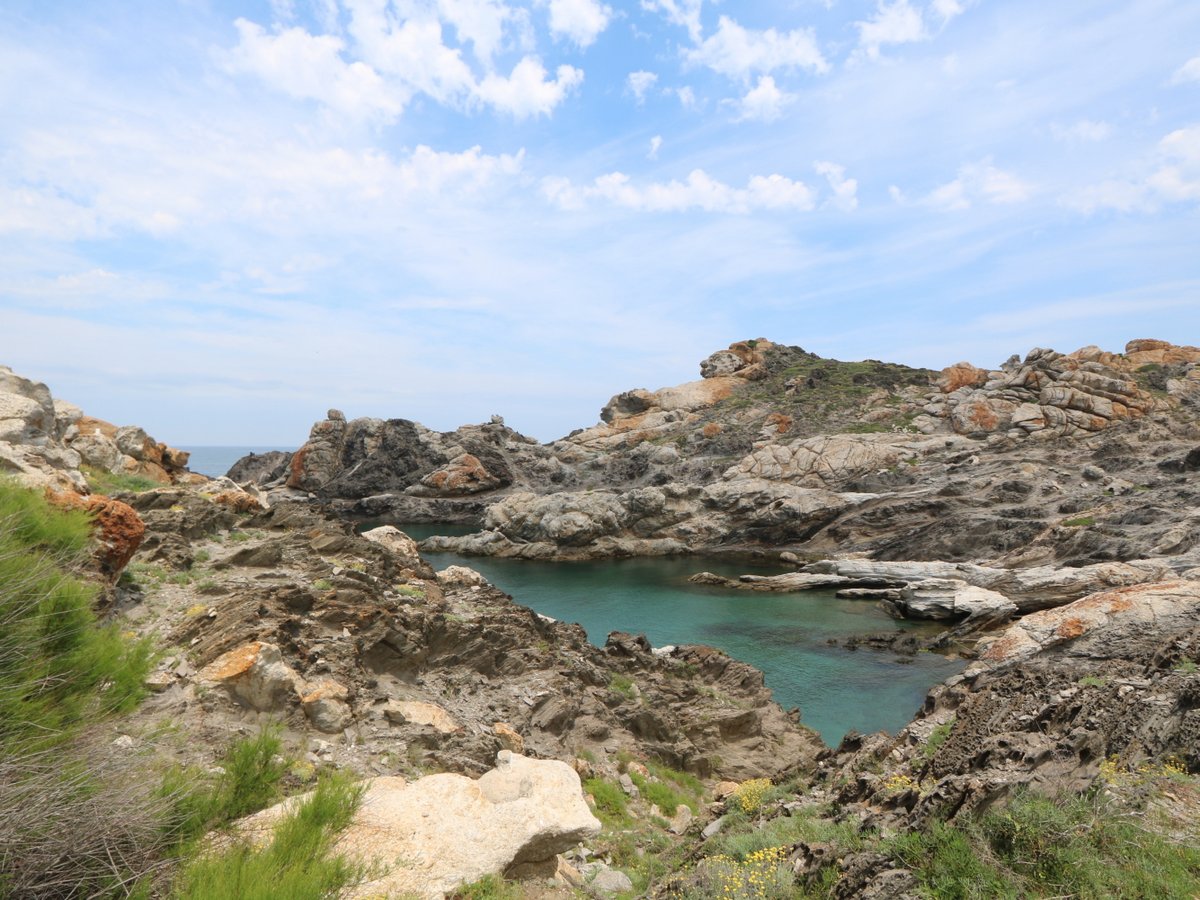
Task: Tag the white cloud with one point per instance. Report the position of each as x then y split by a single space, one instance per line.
527 92
581 21
739 52
639 83
687 97
655 144
479 21
311 67
1189 71
845 190
685 13
411 50
1174 177
699 192
980 181
1083 130
764 102
1179 178
898 23
947 9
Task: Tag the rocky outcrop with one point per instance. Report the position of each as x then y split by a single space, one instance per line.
117 529
44 441
648 521
832 460
426 837
1011 467
1108 679
951 591
32 437
1049 394
344 633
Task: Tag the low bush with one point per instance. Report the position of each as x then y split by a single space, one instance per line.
297 863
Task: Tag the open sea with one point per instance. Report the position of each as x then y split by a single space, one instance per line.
216 461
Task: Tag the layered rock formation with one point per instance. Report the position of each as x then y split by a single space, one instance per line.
1049 460
1109 677
356 637
44 441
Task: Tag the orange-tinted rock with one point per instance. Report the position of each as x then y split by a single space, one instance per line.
961 375
116 526
92 425
238 501
119 531
464 474
712 429
780 422
508 737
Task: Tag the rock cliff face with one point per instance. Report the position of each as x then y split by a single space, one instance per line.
44 441
1058 460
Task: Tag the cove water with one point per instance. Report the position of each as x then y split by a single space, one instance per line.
785 635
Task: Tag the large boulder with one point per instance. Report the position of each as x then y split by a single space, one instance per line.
1104 625
829 460
255 674
424 838
31 445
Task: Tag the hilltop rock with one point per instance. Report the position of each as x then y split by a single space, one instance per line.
31 442
44 441
429 836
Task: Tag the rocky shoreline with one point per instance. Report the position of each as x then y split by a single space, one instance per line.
1045 511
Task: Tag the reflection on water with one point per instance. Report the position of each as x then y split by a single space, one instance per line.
785 635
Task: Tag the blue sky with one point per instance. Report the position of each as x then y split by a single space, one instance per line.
217 219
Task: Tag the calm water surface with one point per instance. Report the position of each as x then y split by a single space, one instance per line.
784 635
216 461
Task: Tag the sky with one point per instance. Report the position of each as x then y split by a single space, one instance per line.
219 218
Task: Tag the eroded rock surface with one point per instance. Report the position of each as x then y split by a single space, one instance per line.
430 836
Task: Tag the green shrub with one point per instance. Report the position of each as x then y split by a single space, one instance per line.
59 667
297 864
661 795
252 772
103 482
685 780
1081 847
1080 522
937 737
610 800
621 684
948 865
489 887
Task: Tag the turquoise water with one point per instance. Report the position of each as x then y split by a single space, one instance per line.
216 461
784 635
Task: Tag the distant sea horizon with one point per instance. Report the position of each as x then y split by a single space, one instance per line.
215 461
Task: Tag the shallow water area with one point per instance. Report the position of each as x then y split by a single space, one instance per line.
785 635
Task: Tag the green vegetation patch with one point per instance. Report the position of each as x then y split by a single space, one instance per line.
1083 847
489 887
1079 522
621 684
60 668
103 482
298 863
611 803
937 737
